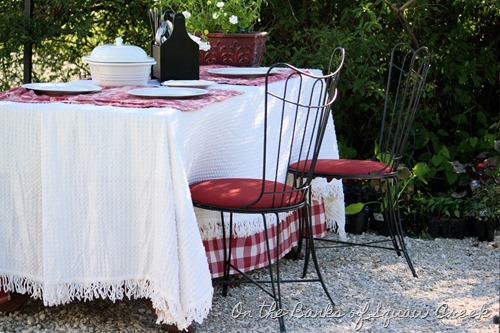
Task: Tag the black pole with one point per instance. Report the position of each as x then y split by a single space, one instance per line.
28 45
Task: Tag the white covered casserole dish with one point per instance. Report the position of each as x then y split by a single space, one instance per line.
118 64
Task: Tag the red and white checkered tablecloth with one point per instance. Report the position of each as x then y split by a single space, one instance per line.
249 253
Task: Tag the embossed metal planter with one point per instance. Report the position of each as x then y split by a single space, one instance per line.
239 49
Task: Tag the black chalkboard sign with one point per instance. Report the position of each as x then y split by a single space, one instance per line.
177 58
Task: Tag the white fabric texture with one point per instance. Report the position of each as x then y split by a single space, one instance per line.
94 200
94 203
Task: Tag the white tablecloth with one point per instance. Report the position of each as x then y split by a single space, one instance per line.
94 200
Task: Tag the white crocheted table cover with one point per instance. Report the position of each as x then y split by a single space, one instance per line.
94 203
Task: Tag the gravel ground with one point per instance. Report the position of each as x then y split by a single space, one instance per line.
458 290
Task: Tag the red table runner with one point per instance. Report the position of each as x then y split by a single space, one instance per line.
118 96
248 81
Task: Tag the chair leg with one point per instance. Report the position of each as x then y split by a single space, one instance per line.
389 216
300 234
400 235
396 228
227 252
277 250
303 222
312 250
275 285
300 229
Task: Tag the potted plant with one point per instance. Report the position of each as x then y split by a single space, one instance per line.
228 26
414 220
483 207
445 216
483 193
377 201
358 195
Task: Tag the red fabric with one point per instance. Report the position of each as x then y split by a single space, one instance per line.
4 296
239 192
119 96
249 81
343 167
249 253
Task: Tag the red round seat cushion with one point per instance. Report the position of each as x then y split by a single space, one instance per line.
240 192
343 167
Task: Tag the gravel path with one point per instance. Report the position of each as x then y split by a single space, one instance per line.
458 290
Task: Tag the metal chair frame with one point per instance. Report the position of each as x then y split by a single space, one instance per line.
307 114
406 79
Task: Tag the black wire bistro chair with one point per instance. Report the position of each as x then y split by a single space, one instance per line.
408 69
295 118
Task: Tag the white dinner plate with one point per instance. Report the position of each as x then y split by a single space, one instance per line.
242 71
167 92
203 84
62 88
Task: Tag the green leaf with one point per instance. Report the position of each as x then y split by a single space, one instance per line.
445 152
420 170
481 117
437 160
354 208
451 177
459 119
473 141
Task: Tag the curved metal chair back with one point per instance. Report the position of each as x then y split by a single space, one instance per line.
304 111
405 83
407 74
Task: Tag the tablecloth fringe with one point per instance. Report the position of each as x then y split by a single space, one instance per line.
167 310
244 225
331 192
321 188
63 293
21 285
196 312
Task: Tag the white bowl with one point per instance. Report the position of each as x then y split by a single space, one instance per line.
113 65
120 74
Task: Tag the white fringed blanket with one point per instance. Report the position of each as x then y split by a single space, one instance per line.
95 203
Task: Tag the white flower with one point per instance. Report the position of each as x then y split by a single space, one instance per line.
220 4
203 46
186 14
233 19
215 16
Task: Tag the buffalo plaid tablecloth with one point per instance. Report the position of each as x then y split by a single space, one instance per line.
249 253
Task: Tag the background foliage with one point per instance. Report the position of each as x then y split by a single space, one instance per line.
459 109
